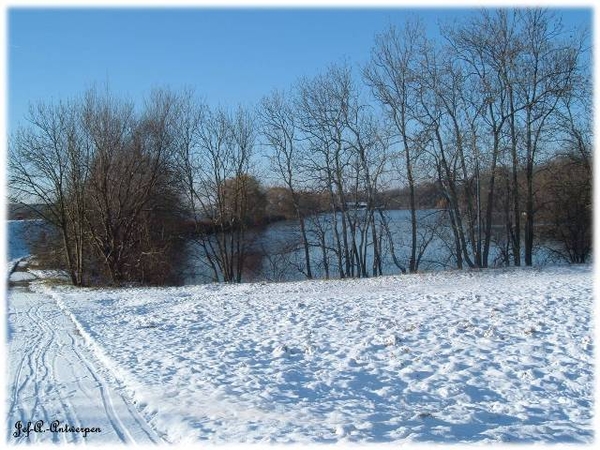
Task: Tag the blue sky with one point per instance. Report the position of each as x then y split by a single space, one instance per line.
229 56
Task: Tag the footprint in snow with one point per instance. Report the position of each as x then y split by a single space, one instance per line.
391 341
280 351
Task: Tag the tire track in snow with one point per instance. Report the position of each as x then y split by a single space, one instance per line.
43 380
66 406
151 434
121 429
107 403
52 376
22 385
33 347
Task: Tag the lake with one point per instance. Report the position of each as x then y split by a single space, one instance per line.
19 234
276 253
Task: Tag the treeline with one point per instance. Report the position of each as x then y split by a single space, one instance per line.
21 211
491 124
479 113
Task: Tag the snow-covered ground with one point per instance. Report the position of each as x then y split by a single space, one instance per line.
53 376
495 355
51 373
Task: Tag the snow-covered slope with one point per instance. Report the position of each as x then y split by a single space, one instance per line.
496 355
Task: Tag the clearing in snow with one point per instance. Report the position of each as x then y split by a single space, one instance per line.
472 356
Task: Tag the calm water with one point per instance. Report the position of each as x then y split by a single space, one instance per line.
277 253
19 234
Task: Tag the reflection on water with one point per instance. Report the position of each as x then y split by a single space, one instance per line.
276 252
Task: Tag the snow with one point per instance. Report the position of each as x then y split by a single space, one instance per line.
59 275
53 376
21 276
471 356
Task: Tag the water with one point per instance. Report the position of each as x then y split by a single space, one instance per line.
276 252
19 233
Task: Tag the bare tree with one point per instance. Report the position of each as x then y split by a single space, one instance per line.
548 67
393 76
102 176
450 118
49 166
131 160
564 202
521 68
485 46
347 155
216 161
280 130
